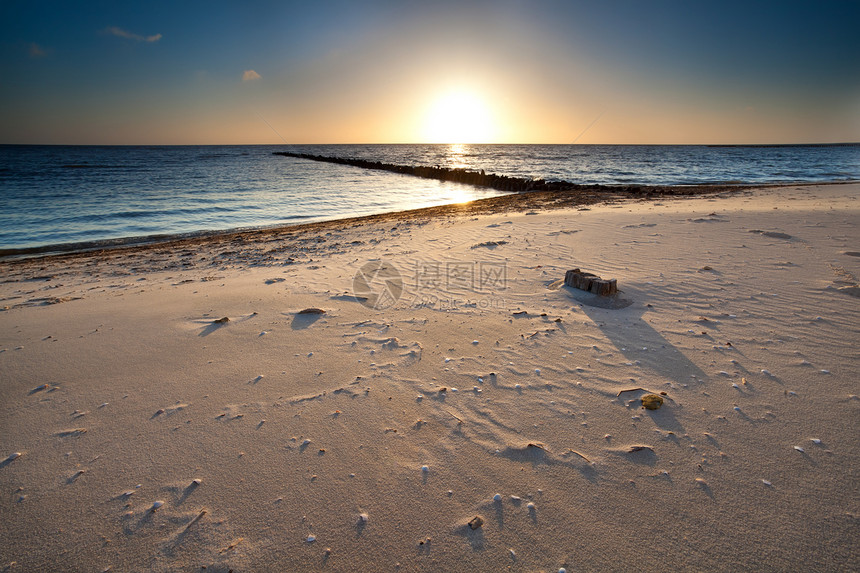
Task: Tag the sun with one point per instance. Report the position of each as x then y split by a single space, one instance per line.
458 116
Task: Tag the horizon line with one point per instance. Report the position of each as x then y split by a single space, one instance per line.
796 144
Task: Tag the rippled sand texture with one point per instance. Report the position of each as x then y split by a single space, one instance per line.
144 432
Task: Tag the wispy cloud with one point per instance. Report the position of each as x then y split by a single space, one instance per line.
120 33
250 75
37 51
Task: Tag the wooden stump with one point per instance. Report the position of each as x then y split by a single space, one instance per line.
590 282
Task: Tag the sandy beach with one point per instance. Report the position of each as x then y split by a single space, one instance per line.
441 372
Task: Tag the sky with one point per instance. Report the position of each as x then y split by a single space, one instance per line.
404 71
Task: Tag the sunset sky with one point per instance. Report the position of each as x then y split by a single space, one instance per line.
403 71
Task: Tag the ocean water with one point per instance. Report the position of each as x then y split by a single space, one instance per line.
59 195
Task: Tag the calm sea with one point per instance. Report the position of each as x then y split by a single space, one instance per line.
53 195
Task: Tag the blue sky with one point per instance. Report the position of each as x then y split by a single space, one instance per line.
408 71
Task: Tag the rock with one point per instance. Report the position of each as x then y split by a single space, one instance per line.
476 522
652 401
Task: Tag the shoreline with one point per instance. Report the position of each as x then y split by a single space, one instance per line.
503 203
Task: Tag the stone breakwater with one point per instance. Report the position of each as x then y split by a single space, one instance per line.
477 178
497 182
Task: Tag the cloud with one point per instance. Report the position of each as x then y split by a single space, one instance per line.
37 51
120 33
250 75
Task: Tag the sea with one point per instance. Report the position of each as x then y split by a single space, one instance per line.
63 198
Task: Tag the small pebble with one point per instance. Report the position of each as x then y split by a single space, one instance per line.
816 441
425 469
766 372
310 538
362 518
13 456
799 449
767 483
155 506
530 505
537 371
497 497
518 386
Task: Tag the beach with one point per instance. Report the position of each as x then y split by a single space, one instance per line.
351 395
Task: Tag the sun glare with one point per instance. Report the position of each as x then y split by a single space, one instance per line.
459 117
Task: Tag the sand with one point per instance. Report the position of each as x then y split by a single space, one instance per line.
141 431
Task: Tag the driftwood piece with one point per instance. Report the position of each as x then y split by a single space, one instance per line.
590 282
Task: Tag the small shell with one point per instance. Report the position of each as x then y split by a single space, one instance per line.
799 449
530 505
155 506
497 497
13 456
310 538
363 517
425 469
767 483
816 441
